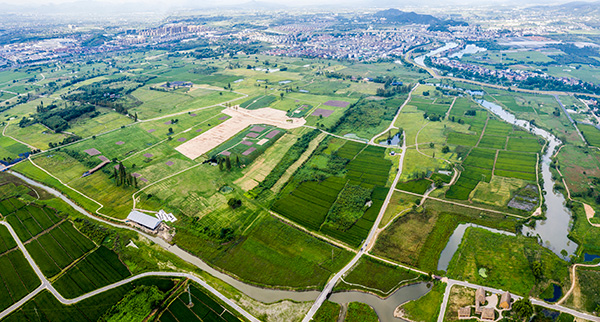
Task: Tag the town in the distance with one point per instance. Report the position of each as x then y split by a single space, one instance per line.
326 161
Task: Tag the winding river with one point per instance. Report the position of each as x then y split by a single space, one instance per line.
383 307
553 231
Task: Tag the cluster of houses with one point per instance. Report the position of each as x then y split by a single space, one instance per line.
485 307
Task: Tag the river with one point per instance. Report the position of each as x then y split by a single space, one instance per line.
421 59
383 307
554 230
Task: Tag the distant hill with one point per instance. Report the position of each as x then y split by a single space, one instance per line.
398 16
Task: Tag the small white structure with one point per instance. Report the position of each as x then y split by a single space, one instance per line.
164 216
143 219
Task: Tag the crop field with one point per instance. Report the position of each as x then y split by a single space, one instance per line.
507 261
579 166
492 142
428 106
258 102
310 203
416 186
17 278
591 134
366 118
11 149
46 307
100 268
204 309
271 253
457 138
30 221
58 248
516 165
523 145
248 144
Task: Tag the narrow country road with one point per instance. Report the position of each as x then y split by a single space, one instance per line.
329 287
396 116
556 307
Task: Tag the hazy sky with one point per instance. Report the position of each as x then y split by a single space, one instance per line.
284 2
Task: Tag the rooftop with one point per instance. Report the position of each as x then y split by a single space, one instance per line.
143 219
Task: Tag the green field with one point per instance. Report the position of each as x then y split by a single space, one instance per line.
591 134
376 276
204 308
18 278
508 262
360 312
100 268
45 307
312 203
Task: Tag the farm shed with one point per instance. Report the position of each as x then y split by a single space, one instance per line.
143 219
505 301
464 313
488 314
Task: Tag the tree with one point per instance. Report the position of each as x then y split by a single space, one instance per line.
536 268
234 203
523 309
445 149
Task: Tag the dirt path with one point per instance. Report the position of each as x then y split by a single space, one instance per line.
450 109
483 131
589 213
463 205
573 280
290 171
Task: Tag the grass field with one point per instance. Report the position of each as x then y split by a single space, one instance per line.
376 276
418 237
328 312
270 253
360 312
426 309
591 134
507 261
11 149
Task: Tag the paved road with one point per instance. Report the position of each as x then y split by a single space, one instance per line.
516 297
46 284
329 287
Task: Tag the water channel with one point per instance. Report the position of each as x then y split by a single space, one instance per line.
383 307
421 59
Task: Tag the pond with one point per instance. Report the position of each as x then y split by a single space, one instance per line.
556 294
394 140
589 257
